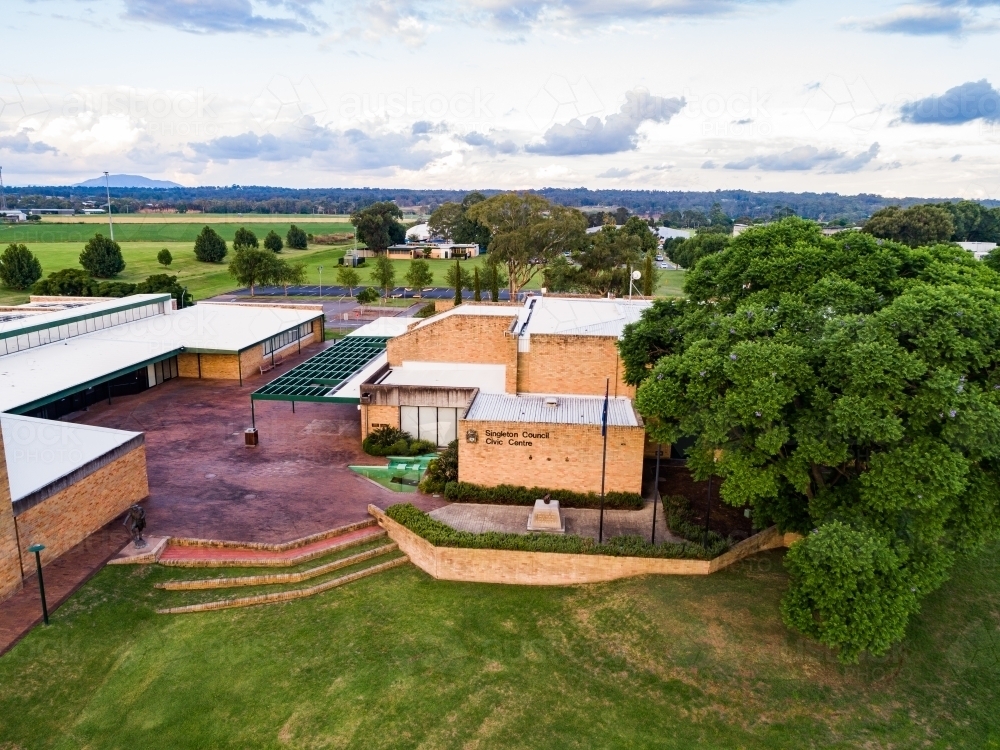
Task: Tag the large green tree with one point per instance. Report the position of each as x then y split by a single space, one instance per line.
102 257
245 238
923 224
209 247
384 273
378 225
846 388
19 268
527 232
451 221
419 275
252 267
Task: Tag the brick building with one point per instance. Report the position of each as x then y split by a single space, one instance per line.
63 481
522 389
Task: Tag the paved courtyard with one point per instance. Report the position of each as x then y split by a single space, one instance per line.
204 483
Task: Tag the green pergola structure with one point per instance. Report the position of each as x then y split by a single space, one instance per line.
315 378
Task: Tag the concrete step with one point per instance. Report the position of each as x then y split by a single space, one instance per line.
285 596
272 546
243 557
278 578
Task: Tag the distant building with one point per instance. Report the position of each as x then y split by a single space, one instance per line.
669 233
435 250
50 211
13 215
978 249
418 233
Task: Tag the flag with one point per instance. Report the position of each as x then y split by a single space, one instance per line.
604 415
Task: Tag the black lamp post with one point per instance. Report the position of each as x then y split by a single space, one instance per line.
656 491
37 549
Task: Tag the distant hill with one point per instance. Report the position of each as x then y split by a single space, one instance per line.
128 181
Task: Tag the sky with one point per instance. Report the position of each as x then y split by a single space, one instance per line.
883 96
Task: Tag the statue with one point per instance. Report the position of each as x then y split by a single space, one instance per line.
135 522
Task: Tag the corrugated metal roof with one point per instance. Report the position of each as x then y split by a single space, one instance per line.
583 317
504 407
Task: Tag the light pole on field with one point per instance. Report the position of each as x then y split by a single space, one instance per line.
37 549
320 282
107 190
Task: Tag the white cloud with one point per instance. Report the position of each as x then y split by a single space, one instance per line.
806 158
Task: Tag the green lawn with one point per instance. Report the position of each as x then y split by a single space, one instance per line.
402 661
152 230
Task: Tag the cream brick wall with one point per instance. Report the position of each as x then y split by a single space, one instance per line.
227 366
571 364
68 517
372 415
569 458
10 563
476 339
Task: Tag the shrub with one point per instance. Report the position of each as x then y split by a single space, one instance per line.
426 311
244 238
677 511
69 282
102 257
273 242
508 494
209 247
19 268
441 470
296 238
164 258
388 441
367 296
160 282
442 535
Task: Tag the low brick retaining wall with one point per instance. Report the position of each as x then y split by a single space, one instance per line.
557 568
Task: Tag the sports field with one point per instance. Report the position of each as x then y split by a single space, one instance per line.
57 243
400 660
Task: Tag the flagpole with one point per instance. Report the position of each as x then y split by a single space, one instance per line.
604 457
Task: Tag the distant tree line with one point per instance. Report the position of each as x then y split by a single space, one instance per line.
825 207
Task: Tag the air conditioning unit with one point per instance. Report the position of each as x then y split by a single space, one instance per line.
551 401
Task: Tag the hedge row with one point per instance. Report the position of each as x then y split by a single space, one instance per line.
508 494
442 535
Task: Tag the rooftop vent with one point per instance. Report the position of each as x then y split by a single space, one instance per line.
551 401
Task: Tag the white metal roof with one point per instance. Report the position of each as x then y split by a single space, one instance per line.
581 317
207 327
68 365
57 317
41 451
487 378
502 407
388 327
351 388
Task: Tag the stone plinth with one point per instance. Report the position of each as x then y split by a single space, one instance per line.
545 516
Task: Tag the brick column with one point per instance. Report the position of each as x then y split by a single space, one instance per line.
10 561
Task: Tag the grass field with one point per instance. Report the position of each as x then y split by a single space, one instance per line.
141 241
152 230
402 661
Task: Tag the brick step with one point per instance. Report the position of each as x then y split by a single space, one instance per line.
277 578
285 596
272 546
216 557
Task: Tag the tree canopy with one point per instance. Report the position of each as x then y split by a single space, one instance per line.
384 273
164 258
419 274
273 242
924 224
451 221
19 268
244 238
296 238
378 225
252 266
102 257
527 232
209 247
846 388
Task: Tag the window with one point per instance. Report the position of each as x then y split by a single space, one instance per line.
438 425
285 338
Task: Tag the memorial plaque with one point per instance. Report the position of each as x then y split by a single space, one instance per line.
545 516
